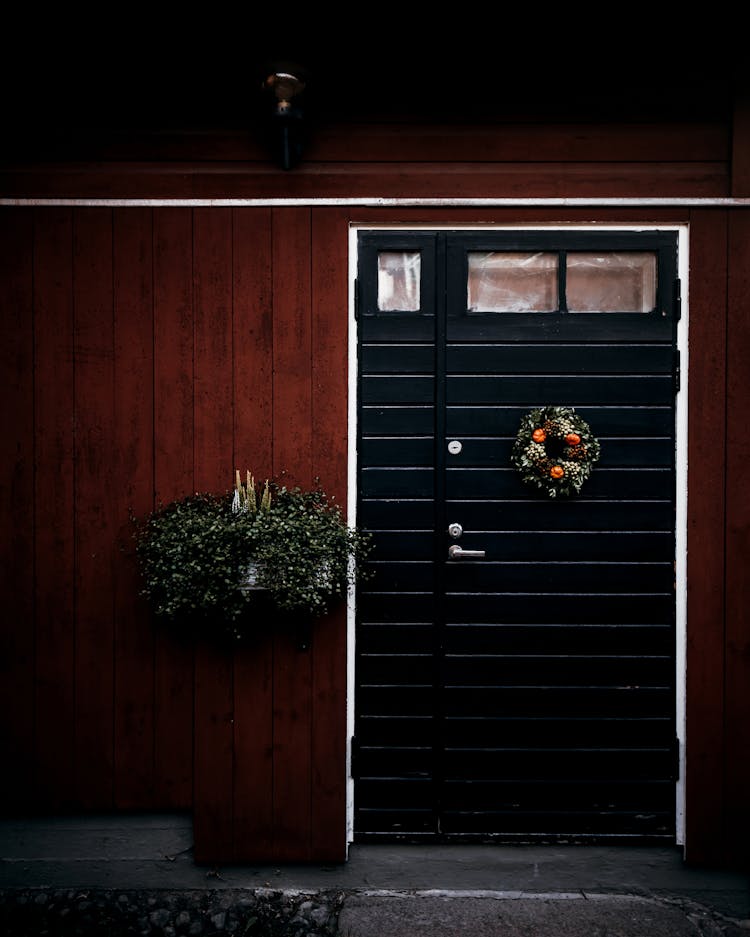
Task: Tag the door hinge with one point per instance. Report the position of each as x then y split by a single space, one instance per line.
354 761
676 759
676 371
677 299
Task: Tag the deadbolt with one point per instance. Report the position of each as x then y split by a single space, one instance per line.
455 530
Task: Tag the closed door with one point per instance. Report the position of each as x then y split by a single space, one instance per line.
522 686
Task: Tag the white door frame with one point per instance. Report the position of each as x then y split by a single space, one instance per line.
681 436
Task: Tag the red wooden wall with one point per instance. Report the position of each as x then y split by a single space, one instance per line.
148 351
146 354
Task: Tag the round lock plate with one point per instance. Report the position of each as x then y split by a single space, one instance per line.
454 447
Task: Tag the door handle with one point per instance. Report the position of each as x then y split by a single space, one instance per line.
456 552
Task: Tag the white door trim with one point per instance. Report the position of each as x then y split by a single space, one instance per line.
682 231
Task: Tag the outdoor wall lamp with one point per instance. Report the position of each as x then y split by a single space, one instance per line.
284 87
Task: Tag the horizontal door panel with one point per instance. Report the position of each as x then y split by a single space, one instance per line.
548 545
547 670
394 668
376 822
380 700
394 730
649 452
615 484
396 451
396 514
560 763
558 732
491 638
396 328
574 515
540 794
634 421
560 701
393 762
403 544
406 575
566 823
387 637
559 359
396 359
397 421
398 389
472 575
560 390
395 606
396 793
553 327
397 482
551 608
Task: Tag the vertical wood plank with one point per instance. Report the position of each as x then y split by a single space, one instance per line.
253 341
292 431
330 452
17 507
54 423
253 435
706 503
95 522
173 478
737 717
213 471
213 416
292 345
133 489
740 180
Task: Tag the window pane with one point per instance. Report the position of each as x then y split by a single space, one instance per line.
398 281
512 282
611 282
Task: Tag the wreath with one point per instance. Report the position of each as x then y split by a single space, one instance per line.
555 450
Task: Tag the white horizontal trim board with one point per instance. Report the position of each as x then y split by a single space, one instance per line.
387 202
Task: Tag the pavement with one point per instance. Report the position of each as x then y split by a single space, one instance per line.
395 890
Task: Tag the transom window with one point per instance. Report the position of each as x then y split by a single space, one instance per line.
531 281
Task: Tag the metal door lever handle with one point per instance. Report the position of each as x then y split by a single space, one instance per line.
456 552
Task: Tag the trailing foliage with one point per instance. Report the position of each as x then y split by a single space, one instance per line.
237 562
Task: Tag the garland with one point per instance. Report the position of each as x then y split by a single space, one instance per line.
555 450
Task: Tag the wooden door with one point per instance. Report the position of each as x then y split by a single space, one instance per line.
527 690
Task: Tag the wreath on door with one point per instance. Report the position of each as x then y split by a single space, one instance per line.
555 450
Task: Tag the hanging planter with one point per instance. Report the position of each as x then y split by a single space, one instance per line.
234 563
555 450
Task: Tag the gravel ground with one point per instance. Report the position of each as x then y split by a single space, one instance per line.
104 913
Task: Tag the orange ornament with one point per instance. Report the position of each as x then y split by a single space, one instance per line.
557 471
538 435
572 439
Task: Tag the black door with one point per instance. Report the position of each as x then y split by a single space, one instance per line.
525 690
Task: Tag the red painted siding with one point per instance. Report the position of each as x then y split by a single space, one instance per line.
54 498
736 766
706 560
149 352
17 645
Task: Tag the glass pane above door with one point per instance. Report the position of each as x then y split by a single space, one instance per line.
611 282
399 274
509 281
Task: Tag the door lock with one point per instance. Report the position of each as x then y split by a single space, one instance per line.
455 530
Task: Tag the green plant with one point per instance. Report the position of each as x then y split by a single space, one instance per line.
235 562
